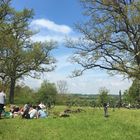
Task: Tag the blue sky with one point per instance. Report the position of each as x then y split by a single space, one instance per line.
55 19
59 11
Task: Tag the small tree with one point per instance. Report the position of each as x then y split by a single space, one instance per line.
104 99
47 93
103 95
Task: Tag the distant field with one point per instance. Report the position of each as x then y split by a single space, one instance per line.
90 125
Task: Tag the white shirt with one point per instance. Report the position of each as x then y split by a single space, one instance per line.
2 97
33 113
42 106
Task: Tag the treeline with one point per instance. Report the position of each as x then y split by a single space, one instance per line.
49 93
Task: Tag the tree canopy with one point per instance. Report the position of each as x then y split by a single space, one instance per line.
103 95
47 93
110 37
19 55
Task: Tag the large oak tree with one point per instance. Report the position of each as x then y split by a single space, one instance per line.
19 55
110 37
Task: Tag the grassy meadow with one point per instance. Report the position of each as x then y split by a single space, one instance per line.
122 124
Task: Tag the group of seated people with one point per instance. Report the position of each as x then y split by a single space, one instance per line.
29 111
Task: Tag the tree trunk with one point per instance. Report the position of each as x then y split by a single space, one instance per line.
12 89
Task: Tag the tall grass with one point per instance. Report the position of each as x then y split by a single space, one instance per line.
90 125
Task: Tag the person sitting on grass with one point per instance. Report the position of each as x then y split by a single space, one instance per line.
33 112
25 113
41 113
27 105
14 110
42 106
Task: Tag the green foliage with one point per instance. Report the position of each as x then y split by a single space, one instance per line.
47 93
103 95
126 98
134 91
132 95
112 101
24 94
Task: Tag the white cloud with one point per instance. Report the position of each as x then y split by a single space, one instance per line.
48 30
50 25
